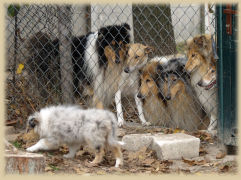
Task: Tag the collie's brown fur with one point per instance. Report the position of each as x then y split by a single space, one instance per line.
197 66
112 73
201 44
155 109
185 109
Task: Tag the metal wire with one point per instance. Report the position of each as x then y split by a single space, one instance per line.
31 41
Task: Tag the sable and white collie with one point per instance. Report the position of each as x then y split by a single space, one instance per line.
198 67
137 55
154 104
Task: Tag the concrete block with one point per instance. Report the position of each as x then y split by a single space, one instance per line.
24 163
175 146
134 142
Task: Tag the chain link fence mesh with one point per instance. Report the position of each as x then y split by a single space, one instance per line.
41 46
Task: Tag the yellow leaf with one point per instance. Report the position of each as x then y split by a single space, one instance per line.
20 68
177 130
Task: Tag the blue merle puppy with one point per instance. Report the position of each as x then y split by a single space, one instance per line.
73 126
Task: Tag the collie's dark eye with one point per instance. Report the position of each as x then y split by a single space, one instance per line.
148 80
137 56
213 71
193 55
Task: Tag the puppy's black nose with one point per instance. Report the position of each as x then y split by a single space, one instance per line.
32 124
168 97
127 70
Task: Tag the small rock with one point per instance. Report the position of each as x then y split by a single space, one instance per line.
220 155
9 130
11 137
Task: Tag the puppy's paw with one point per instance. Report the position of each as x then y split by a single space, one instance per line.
146 123
31 149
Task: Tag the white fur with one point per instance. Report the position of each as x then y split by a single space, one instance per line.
208 99
73 126
128 86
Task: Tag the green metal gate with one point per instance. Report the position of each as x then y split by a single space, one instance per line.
227 78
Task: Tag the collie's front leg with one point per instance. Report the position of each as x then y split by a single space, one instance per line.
118 104
140 111
213 122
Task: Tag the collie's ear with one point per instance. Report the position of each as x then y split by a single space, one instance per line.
149 49
107 51
126 46
127 26
200 41
159 69
101 32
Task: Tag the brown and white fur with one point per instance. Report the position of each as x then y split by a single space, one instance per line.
202 44
116 59
136 58
154 104
208 81
73 126
197 66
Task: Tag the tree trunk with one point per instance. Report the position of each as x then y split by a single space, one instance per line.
153 26
64 29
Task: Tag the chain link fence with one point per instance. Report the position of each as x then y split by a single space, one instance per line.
43 42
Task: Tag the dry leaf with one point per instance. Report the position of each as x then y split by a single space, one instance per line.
202 151
48 169
101 172
79 171
190 162
224 168
220 155
20 68
148 161
177 130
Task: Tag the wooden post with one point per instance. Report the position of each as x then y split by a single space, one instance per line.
64 29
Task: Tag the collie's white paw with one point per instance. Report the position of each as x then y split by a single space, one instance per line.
146 123
119 162
120 123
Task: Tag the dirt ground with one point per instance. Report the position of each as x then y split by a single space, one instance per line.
212 157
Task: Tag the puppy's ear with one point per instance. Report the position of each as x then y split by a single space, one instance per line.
149 49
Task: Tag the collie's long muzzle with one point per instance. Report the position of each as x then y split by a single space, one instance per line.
209 86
